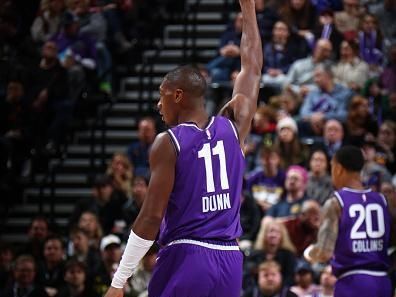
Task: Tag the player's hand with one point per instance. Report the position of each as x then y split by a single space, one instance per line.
114 292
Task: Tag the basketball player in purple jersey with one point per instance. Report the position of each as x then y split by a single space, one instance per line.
196 182
355 233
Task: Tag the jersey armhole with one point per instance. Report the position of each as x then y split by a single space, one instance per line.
234 129
174 141
339 199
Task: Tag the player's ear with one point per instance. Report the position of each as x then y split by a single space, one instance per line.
178 95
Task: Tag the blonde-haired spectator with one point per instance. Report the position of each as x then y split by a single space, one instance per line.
120 169
89 222
272 243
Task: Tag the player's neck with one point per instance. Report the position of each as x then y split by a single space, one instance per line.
353 183
198 117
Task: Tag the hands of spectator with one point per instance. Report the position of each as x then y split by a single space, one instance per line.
13 134
69 62
274 72
230 51
317 122
304 90
51 291
263 205
114 292
109 6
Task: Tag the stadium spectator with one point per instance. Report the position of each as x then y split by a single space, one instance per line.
288 144
347 20
106 202
76 281
269 282
110 248
388 76
326 29
386 140
326 282
90 223
304 277
303 229
301 17
294 195
333 138
300 75
138 150
6 264
329 101
221 67
120 170
80 250
24 280
250 221
279 53
47 23
385 13
319 185
272 243
359 124
371 43
266 16
51 269
351 71
265 185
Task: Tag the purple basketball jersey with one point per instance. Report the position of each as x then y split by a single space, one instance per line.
206 196
363 232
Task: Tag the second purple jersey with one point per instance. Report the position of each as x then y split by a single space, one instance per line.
363 232
206 196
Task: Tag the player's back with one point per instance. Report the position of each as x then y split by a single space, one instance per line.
205 200
363 233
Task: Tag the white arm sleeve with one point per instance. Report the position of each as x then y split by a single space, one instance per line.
134 251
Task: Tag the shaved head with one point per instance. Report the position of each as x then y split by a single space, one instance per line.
188 79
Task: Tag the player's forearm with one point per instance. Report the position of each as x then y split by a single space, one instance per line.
147 227
315 254
250 48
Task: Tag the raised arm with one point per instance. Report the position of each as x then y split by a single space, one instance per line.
323 249
243 104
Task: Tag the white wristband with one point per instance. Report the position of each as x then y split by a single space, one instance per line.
134 251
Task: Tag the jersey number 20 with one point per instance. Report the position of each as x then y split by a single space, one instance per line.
206 152
366 215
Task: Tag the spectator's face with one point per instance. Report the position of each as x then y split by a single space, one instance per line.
80 242
318 163
346 50
139 190
389 191
75 276
286 135
352 7
24 273
311 216
88 222
38 230
82 7
280 32
269 281
49 51
271 161
321 78
322 50
294 181
53 251
297 4
386 135
327 279
363 109
6 257
15 91
304 279
259 4
333 131
103 192
119 165
112 253
369 24
147 131
274 235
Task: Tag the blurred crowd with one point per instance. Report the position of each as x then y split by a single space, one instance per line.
329 79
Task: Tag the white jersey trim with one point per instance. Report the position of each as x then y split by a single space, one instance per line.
383 198
206 245
233 129
174 140
195 126
356 190
362 271
339 199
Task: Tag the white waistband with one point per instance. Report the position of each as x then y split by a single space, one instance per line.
361 271
206 244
